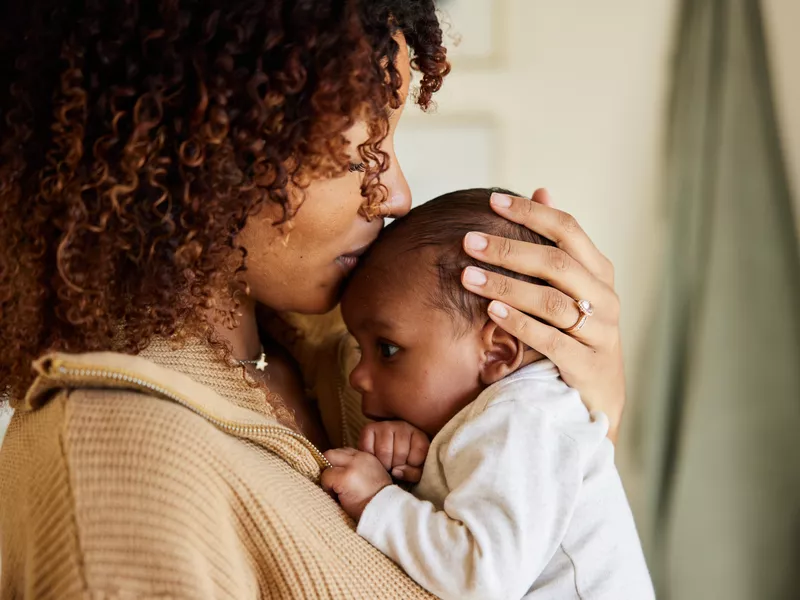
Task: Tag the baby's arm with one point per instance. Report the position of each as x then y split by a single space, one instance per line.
513 478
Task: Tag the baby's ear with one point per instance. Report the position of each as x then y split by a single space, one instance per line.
501 353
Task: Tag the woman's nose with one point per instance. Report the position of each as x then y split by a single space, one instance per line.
360 380
398 201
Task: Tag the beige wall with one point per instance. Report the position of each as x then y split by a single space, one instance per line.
782 19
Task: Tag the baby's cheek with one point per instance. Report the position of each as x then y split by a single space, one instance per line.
455 391
409 397
431 402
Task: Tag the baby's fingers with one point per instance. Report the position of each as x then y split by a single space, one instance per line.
402 448
384 447
366 441
407 473
382 443
419 449
340 457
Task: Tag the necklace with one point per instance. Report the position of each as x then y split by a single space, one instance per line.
260 363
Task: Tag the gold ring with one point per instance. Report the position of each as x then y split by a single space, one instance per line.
585 310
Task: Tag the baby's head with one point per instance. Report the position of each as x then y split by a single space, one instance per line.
428 347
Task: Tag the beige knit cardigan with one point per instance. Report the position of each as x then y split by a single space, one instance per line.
165 475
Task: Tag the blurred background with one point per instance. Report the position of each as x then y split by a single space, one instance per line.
671 130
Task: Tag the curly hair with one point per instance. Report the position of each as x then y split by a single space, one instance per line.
138 136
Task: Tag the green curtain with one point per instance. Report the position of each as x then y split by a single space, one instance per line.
718 428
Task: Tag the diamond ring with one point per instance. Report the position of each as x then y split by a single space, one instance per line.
585 310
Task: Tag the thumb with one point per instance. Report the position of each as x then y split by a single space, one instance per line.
340 457
407 473
331 479
542 196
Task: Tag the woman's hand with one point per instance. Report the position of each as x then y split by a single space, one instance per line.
590 359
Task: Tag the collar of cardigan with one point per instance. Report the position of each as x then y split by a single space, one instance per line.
123 372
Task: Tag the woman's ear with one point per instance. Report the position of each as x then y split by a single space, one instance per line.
502 353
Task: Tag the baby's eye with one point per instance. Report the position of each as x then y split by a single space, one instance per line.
388 350
357 167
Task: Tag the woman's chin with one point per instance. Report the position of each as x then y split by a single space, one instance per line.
304 295
318 309
322 300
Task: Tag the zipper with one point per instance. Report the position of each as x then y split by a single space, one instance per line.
64 371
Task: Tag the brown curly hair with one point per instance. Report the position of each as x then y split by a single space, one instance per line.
138 136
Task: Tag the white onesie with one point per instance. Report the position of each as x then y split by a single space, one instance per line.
519 497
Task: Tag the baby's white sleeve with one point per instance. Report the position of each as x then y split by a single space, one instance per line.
514 478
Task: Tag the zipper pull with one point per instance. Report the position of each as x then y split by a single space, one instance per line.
50 365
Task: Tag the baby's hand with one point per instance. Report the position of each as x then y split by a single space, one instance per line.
355 477
399 446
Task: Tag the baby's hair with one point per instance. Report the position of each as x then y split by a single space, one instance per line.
441 224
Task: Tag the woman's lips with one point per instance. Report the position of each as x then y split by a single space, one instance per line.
348 261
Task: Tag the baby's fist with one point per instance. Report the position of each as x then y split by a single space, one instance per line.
355 477
399 446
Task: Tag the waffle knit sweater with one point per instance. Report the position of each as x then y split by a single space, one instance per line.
167 476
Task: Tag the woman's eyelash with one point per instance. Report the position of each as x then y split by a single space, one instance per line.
357 167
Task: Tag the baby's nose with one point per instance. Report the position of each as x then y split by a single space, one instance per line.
360 380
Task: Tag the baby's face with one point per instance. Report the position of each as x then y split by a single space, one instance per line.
414 366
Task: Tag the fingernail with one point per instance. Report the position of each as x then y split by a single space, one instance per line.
498 309
397 473
500 200
474 276
476 241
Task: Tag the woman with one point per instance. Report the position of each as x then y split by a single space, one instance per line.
167 166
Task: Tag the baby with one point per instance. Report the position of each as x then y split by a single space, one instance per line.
519 495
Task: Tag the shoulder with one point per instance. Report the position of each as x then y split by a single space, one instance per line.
133 425
135 493
117 456
534 402
122 449
536 389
